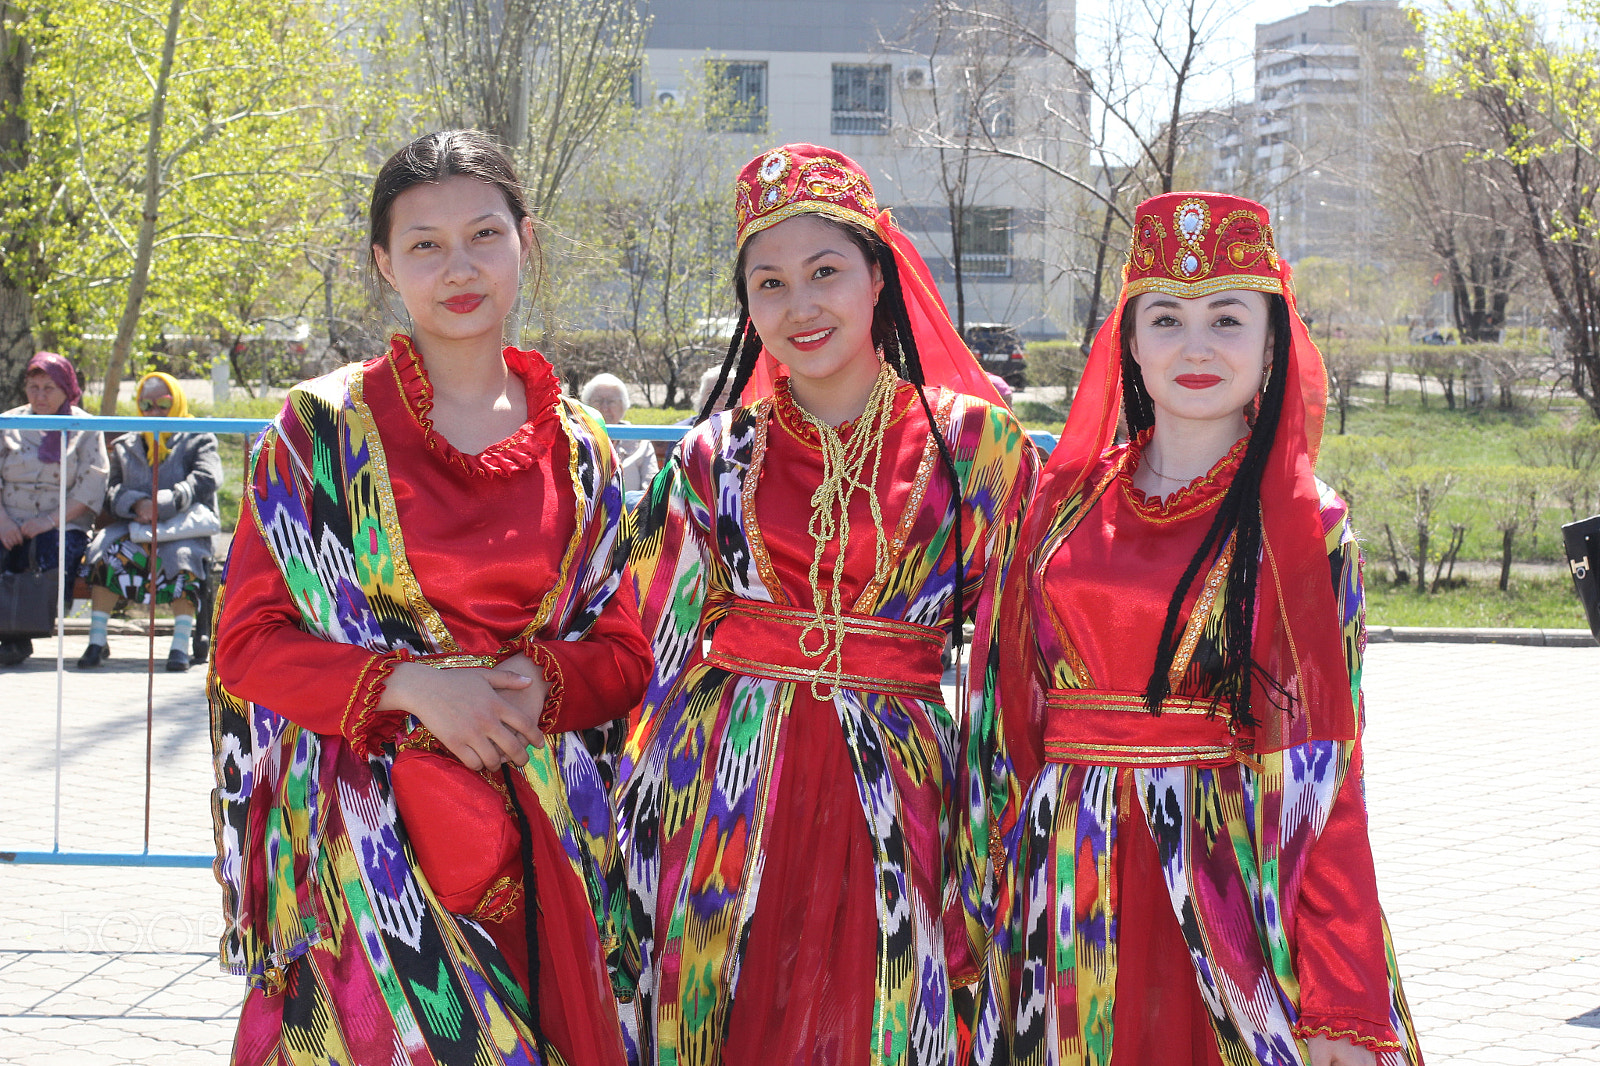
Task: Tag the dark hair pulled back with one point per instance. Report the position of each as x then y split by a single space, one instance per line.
1231 667
891 332
434 158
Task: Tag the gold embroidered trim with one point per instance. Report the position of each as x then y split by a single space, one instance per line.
1191 290
806 207
1091 700
433 625
1305 1032
865 682
762 412
1200 615
913 506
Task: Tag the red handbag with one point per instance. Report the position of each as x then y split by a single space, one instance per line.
462 828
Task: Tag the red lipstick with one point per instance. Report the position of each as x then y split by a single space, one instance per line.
1197 381
465 304
813 340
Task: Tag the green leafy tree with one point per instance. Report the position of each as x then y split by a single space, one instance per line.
1538 104
170 144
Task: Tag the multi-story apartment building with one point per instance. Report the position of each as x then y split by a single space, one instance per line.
857 75
1303 143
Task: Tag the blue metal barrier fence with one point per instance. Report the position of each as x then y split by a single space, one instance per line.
121 424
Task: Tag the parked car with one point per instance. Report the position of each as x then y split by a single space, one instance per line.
1000 350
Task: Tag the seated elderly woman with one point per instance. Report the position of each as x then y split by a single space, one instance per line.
32 463
169 481
607 394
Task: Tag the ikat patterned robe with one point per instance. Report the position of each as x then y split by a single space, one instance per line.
1235 842
312 855
707 754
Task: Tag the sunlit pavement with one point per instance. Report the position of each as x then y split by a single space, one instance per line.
1483 779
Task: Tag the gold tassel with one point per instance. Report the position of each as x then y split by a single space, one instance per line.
842 468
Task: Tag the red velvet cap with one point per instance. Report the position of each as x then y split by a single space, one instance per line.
1192 244
798 179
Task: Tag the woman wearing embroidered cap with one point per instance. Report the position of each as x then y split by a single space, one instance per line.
422 646
807 849
1192 880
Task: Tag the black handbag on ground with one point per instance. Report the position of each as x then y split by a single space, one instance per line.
1583 555
28 599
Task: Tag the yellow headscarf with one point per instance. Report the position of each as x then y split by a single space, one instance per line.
155 445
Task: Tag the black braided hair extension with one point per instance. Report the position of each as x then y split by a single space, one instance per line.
904 345
1238 515
530 909
741 354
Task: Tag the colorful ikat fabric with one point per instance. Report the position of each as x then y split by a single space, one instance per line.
710 743
1234 843
311 854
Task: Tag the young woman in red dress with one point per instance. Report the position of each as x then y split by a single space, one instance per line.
1180 685
423 637
808 854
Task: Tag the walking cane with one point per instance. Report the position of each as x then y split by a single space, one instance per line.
154 571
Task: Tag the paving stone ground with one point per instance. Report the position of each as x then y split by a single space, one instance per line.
1483 773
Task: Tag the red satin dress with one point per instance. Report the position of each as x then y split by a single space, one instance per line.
484 535
807 972
1109 584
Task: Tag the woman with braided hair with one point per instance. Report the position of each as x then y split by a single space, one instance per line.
808 850
1191 880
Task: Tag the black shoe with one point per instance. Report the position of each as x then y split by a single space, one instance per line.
177 661
93 656
14 652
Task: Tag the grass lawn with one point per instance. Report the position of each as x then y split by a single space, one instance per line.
1530 603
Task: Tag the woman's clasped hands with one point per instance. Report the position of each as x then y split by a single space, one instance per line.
485 717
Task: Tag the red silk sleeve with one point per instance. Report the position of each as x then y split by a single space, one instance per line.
263 655
598 678
1341 955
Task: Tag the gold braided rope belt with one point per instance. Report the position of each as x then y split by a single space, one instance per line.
875 654
1103 728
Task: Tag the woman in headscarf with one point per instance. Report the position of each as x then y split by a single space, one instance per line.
164 489
808 854
1180 681
426 653
32 465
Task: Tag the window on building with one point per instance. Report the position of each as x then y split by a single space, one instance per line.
738 97
860 98
992 113
986 242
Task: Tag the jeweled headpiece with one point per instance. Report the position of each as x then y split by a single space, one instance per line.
799 179
1190 244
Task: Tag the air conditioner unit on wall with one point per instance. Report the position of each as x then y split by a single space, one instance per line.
916 77
668 97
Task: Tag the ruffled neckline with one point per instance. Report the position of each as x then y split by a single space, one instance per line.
516 452
1193 497
794 419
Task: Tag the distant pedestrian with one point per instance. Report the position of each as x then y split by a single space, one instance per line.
167 481
607 394
32 465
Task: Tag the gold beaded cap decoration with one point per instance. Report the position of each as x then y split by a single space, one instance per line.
799 179
1194 244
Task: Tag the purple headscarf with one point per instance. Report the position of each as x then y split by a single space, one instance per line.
66 378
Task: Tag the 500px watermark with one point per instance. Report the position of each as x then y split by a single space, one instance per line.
165 932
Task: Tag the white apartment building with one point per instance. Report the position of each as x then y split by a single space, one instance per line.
850 74
1300 145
